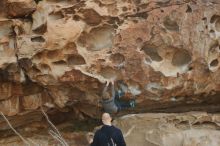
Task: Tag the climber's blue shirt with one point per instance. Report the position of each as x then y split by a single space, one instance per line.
108 135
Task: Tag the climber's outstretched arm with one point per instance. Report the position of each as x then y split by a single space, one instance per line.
105 89
113 90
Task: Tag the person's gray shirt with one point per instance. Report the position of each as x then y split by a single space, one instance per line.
109 104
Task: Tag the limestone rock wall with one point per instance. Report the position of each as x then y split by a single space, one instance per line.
60 53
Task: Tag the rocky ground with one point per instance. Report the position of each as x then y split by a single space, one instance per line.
185 129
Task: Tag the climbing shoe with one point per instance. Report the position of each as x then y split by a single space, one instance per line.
132 103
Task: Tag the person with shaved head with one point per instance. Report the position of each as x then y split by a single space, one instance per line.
108 135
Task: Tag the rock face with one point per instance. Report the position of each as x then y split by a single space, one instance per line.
59 54
187 129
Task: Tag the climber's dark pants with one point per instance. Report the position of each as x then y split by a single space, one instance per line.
121 104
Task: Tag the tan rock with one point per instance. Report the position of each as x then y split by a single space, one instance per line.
8 89
186 129
165 52
10 107
32 102
20 8
6 43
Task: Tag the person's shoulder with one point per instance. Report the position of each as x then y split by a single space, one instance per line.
98 132
116 128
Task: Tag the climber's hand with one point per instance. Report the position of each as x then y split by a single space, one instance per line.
89 137
107 83
112 81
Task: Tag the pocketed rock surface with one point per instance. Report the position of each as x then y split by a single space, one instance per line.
59 55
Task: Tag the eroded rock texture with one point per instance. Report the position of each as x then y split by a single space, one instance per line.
187 129
59 54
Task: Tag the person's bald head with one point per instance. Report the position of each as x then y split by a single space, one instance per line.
106 119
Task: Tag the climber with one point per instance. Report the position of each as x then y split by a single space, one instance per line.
112 103
108 135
